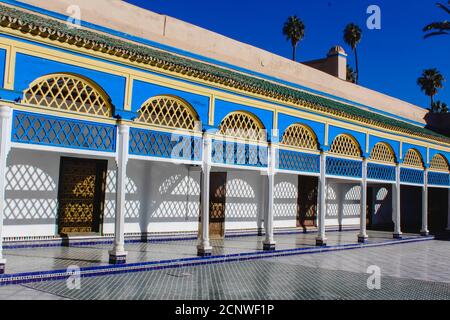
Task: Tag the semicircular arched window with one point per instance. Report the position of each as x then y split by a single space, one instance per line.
168 111
439 163
345 145
382 152
68 92
413 159
300 136
243 125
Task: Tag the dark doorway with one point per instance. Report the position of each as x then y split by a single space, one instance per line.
411 209
217 197
437 210
307 201
370 206
81 195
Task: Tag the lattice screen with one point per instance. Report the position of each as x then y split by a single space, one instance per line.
439 163
169 112
345 145
382 152
300 136
67 92
413 159
242 125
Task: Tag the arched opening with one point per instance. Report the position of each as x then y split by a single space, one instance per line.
345 145
244 125
300 136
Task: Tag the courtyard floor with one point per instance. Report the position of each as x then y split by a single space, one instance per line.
21 260
418 270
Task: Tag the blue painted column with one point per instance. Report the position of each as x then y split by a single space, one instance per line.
5 147
118 254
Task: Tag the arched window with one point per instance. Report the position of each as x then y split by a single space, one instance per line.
68 92
439 163
168 111
301 136
413 159
242 125
345 145
382 152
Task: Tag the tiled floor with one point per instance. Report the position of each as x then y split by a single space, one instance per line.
55 258
417 270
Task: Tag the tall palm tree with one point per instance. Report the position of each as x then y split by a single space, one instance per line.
430 81
294 30
352 36
438 28
351 75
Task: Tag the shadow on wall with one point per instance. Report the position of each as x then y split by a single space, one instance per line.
285 198
241 201
381 208
31 189
343 201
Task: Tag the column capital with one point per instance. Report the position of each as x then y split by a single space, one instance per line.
5 112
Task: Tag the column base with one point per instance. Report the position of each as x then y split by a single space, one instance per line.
424 233
2 266
269 246
260 231
321 242
362 238
117 257
204 251
397 236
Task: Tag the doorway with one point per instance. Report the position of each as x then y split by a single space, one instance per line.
217 199
307 201
81 195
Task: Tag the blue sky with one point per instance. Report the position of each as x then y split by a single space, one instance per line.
391 59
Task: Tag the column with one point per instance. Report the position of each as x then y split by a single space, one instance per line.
448 209
5 146
396 191
204 248
362 236
269 243
118 254
424 230
321 239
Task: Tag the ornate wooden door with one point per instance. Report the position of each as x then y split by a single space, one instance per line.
217 197
307 201
81 195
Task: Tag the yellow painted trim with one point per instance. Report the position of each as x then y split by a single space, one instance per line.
212 106
124 71
327 127
10 69
128 93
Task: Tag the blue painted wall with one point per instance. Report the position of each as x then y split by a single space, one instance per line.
2 67
222 108
395 145
142 91
285 121
334 131
433 152
29 68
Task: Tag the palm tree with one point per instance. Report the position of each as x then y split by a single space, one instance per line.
430 81
439 107
351 75
352 36
438 28
294 30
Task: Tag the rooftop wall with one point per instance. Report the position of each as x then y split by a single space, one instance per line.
124 17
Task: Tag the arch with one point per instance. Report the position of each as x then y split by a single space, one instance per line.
70 92
439 163
301 136
413 158
383 152
346 145
168 111
242 124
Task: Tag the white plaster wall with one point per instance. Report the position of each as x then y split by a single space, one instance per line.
31 194
343 204
285 200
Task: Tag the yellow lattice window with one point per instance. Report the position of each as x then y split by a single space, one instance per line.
439 163
68 92
242 125
168 111
345 145
300 136
382 152
413 159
